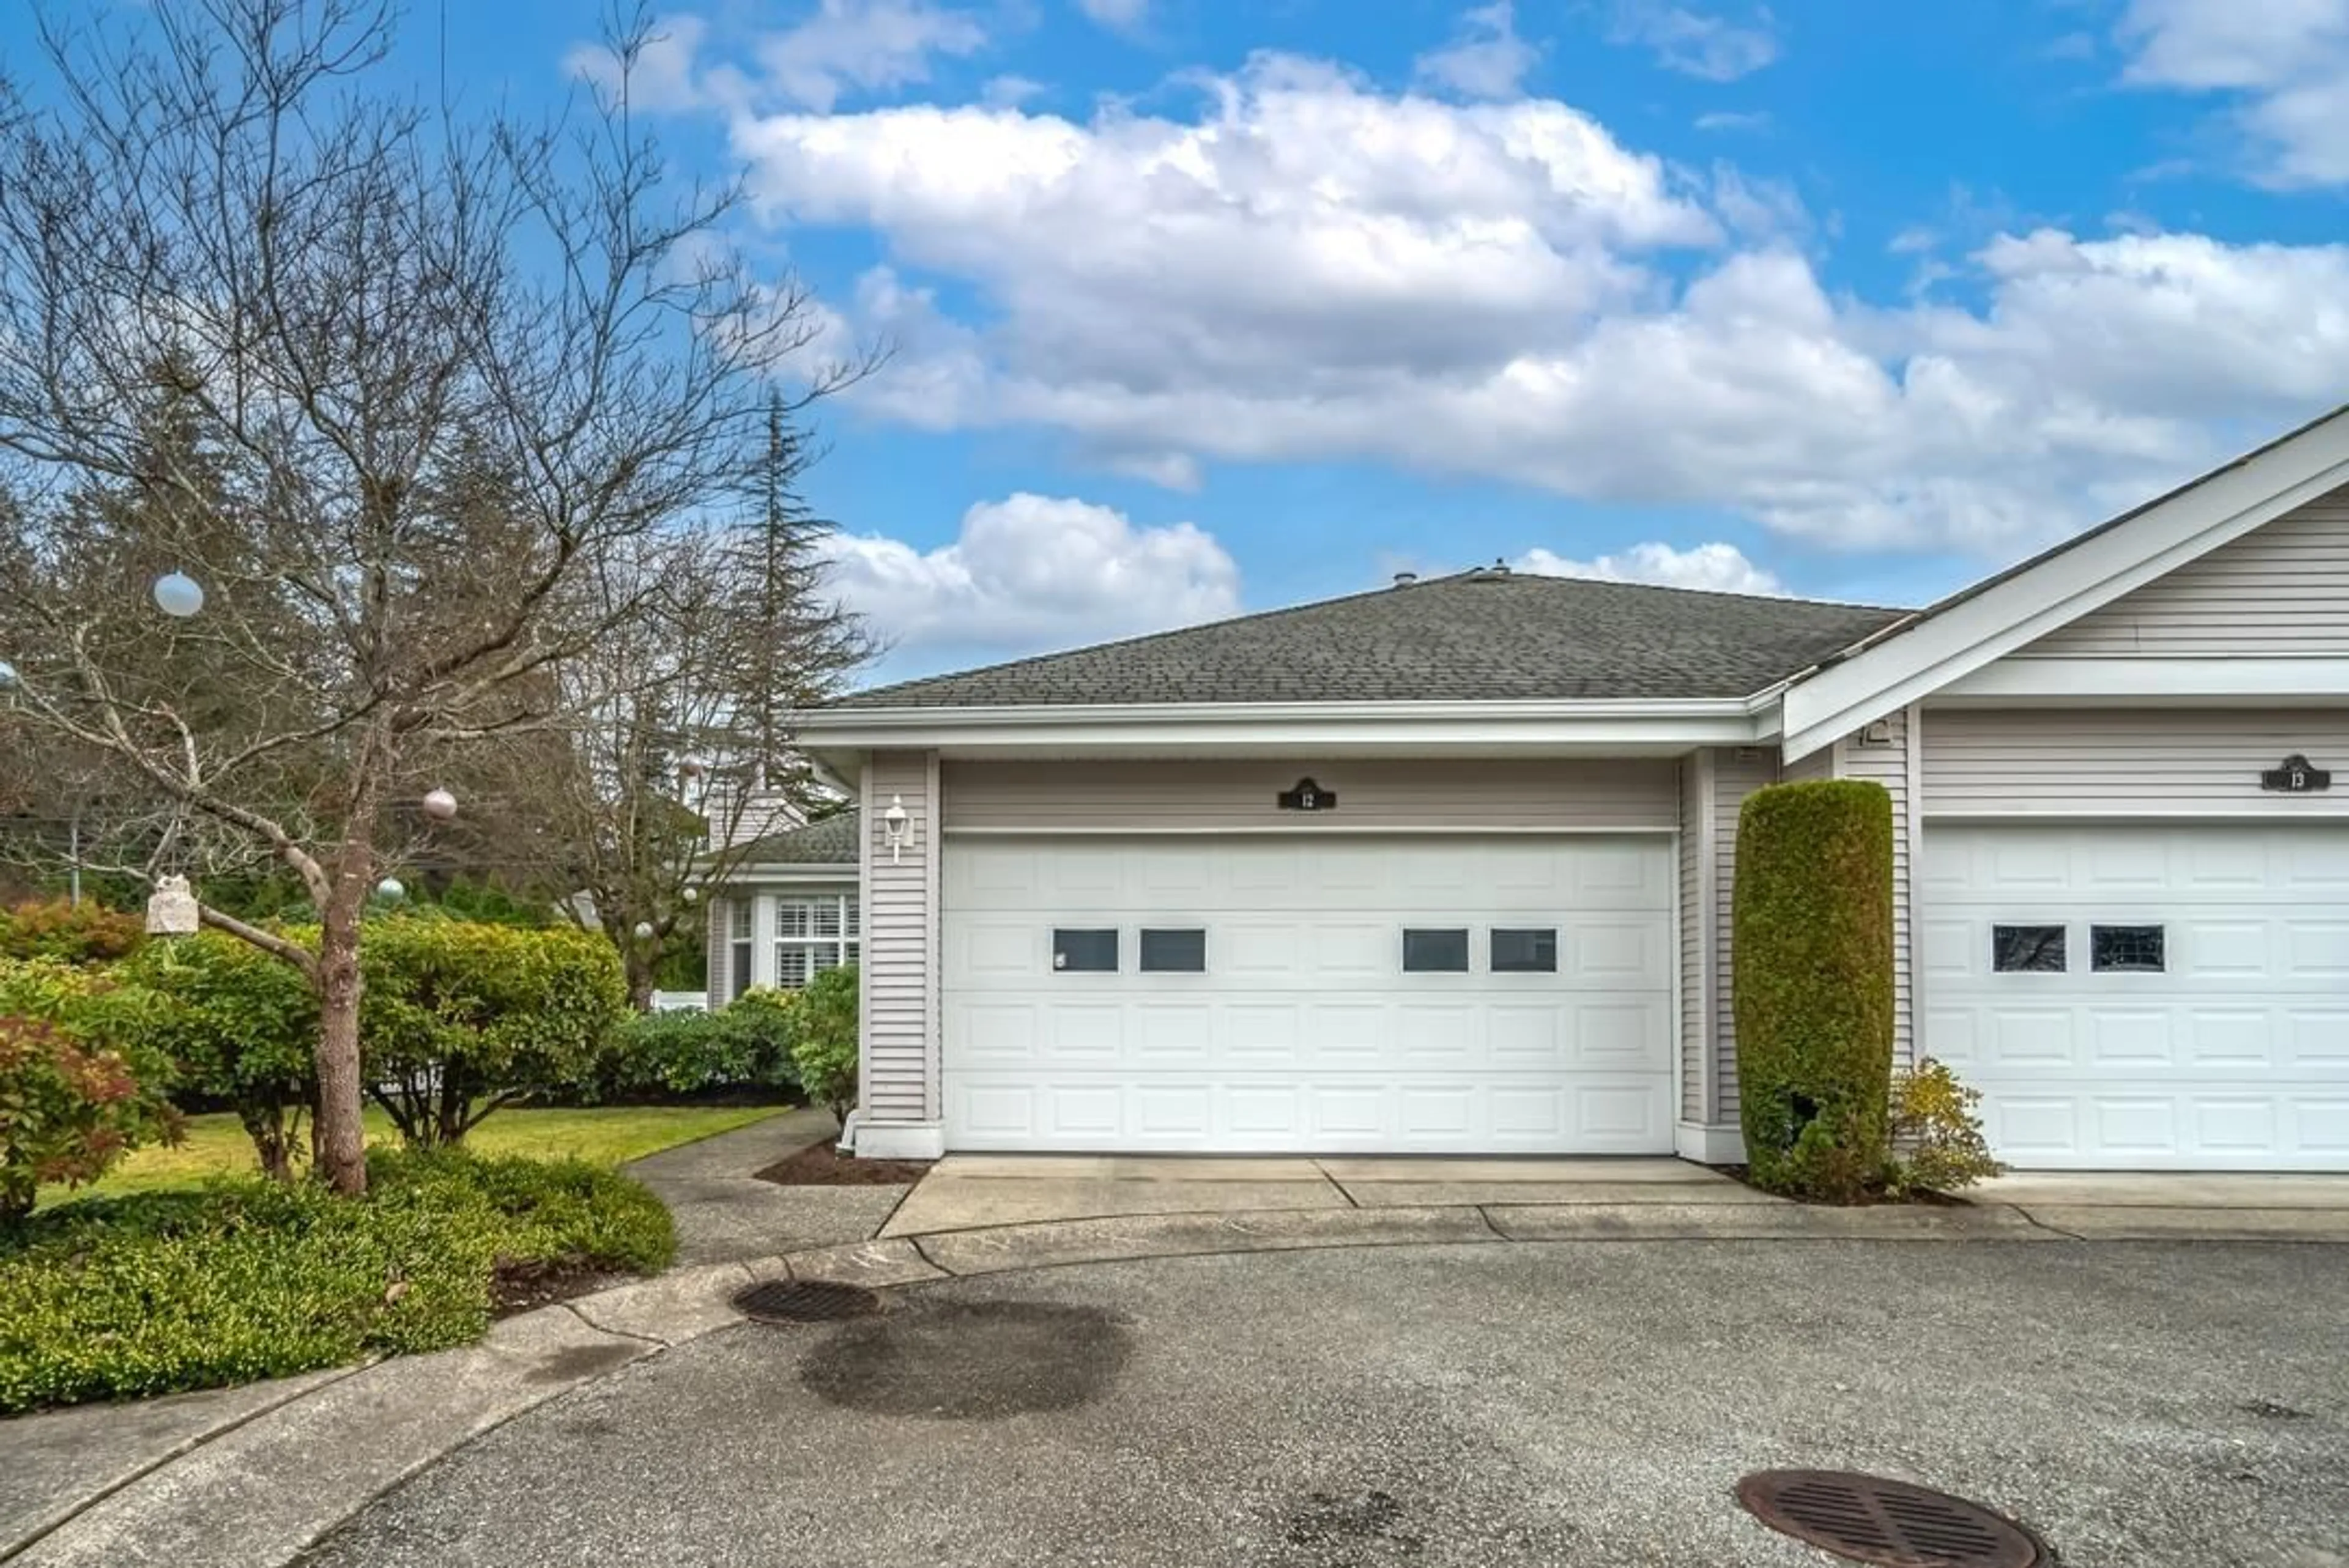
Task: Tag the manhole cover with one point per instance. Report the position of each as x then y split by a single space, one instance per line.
806 1301
1870 1519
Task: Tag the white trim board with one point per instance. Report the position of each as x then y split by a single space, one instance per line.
1318 830
1926 655
2020 681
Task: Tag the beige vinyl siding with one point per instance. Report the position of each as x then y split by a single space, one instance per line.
1886 761
2280 590
1736 775
1819 764
1152 796
2106 762
900 968
1695 928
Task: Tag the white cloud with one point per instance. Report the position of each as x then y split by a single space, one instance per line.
1311 269
1485 58
2286 61
1121 15
1033 571
1729 120
659 78
1694 43
870 45
1718 568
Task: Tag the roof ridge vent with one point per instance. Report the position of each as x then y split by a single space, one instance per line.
1496 572
1405 579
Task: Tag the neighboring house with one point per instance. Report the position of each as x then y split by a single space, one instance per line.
1446 867
789 908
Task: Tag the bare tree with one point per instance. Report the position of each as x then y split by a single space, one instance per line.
675 756
358 307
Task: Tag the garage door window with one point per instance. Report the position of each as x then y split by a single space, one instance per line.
1525 950
2137 949
1438 951
1174 952
2027 949
1085 952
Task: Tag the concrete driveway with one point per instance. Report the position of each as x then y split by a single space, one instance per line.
2143 1405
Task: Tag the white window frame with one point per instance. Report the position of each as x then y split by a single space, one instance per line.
841 945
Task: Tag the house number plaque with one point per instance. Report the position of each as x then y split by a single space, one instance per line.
1309 797
2296 777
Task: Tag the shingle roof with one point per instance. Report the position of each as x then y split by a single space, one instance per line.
832 841
1483 635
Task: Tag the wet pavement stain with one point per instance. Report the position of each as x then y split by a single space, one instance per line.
969 1361
1346 1525
582 1361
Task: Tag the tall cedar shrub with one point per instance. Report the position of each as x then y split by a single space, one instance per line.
1813 986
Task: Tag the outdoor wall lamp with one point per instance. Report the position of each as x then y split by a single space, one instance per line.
894 823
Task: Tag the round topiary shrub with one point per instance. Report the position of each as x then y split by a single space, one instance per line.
1812 984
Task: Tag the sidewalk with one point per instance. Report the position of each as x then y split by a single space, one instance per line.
724 1213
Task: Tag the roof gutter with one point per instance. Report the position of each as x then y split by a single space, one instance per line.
1272 727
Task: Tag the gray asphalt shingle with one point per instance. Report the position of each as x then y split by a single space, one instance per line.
832 841
1484 635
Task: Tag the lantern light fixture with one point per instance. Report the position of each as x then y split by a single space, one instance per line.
894 821
179 595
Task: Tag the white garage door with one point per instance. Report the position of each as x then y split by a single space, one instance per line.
1452 995
2144 997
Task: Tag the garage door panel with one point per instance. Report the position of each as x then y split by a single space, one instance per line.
1304 1032
2234 1056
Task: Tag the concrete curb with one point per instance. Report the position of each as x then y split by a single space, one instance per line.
252 1476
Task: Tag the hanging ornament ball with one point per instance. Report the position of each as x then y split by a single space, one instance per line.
691 768
440 805
693 895
643 931
7 674
391 888
179 594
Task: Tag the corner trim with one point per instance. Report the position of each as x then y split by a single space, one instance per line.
1708 1144
900 1140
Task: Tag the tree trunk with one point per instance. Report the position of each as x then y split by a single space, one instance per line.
341 1139
640 966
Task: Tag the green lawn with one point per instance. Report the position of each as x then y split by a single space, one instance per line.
605 1135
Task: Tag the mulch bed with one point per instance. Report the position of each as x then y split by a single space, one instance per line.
522 1286
821 1165
1745 1175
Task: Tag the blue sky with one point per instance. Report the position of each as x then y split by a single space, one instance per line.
1199 307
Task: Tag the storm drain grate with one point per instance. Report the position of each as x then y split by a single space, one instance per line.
806 1301
1870 1519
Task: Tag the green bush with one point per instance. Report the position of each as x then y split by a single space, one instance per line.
250 1279
1936 1138
824 1047
56 928
460 1018
744 1046
242 1026
77 1089
1813 986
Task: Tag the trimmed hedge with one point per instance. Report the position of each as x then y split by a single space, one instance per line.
1812 977
460 1017
250 1279
746 1046
56 928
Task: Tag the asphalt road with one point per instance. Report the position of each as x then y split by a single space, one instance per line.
1566 1405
